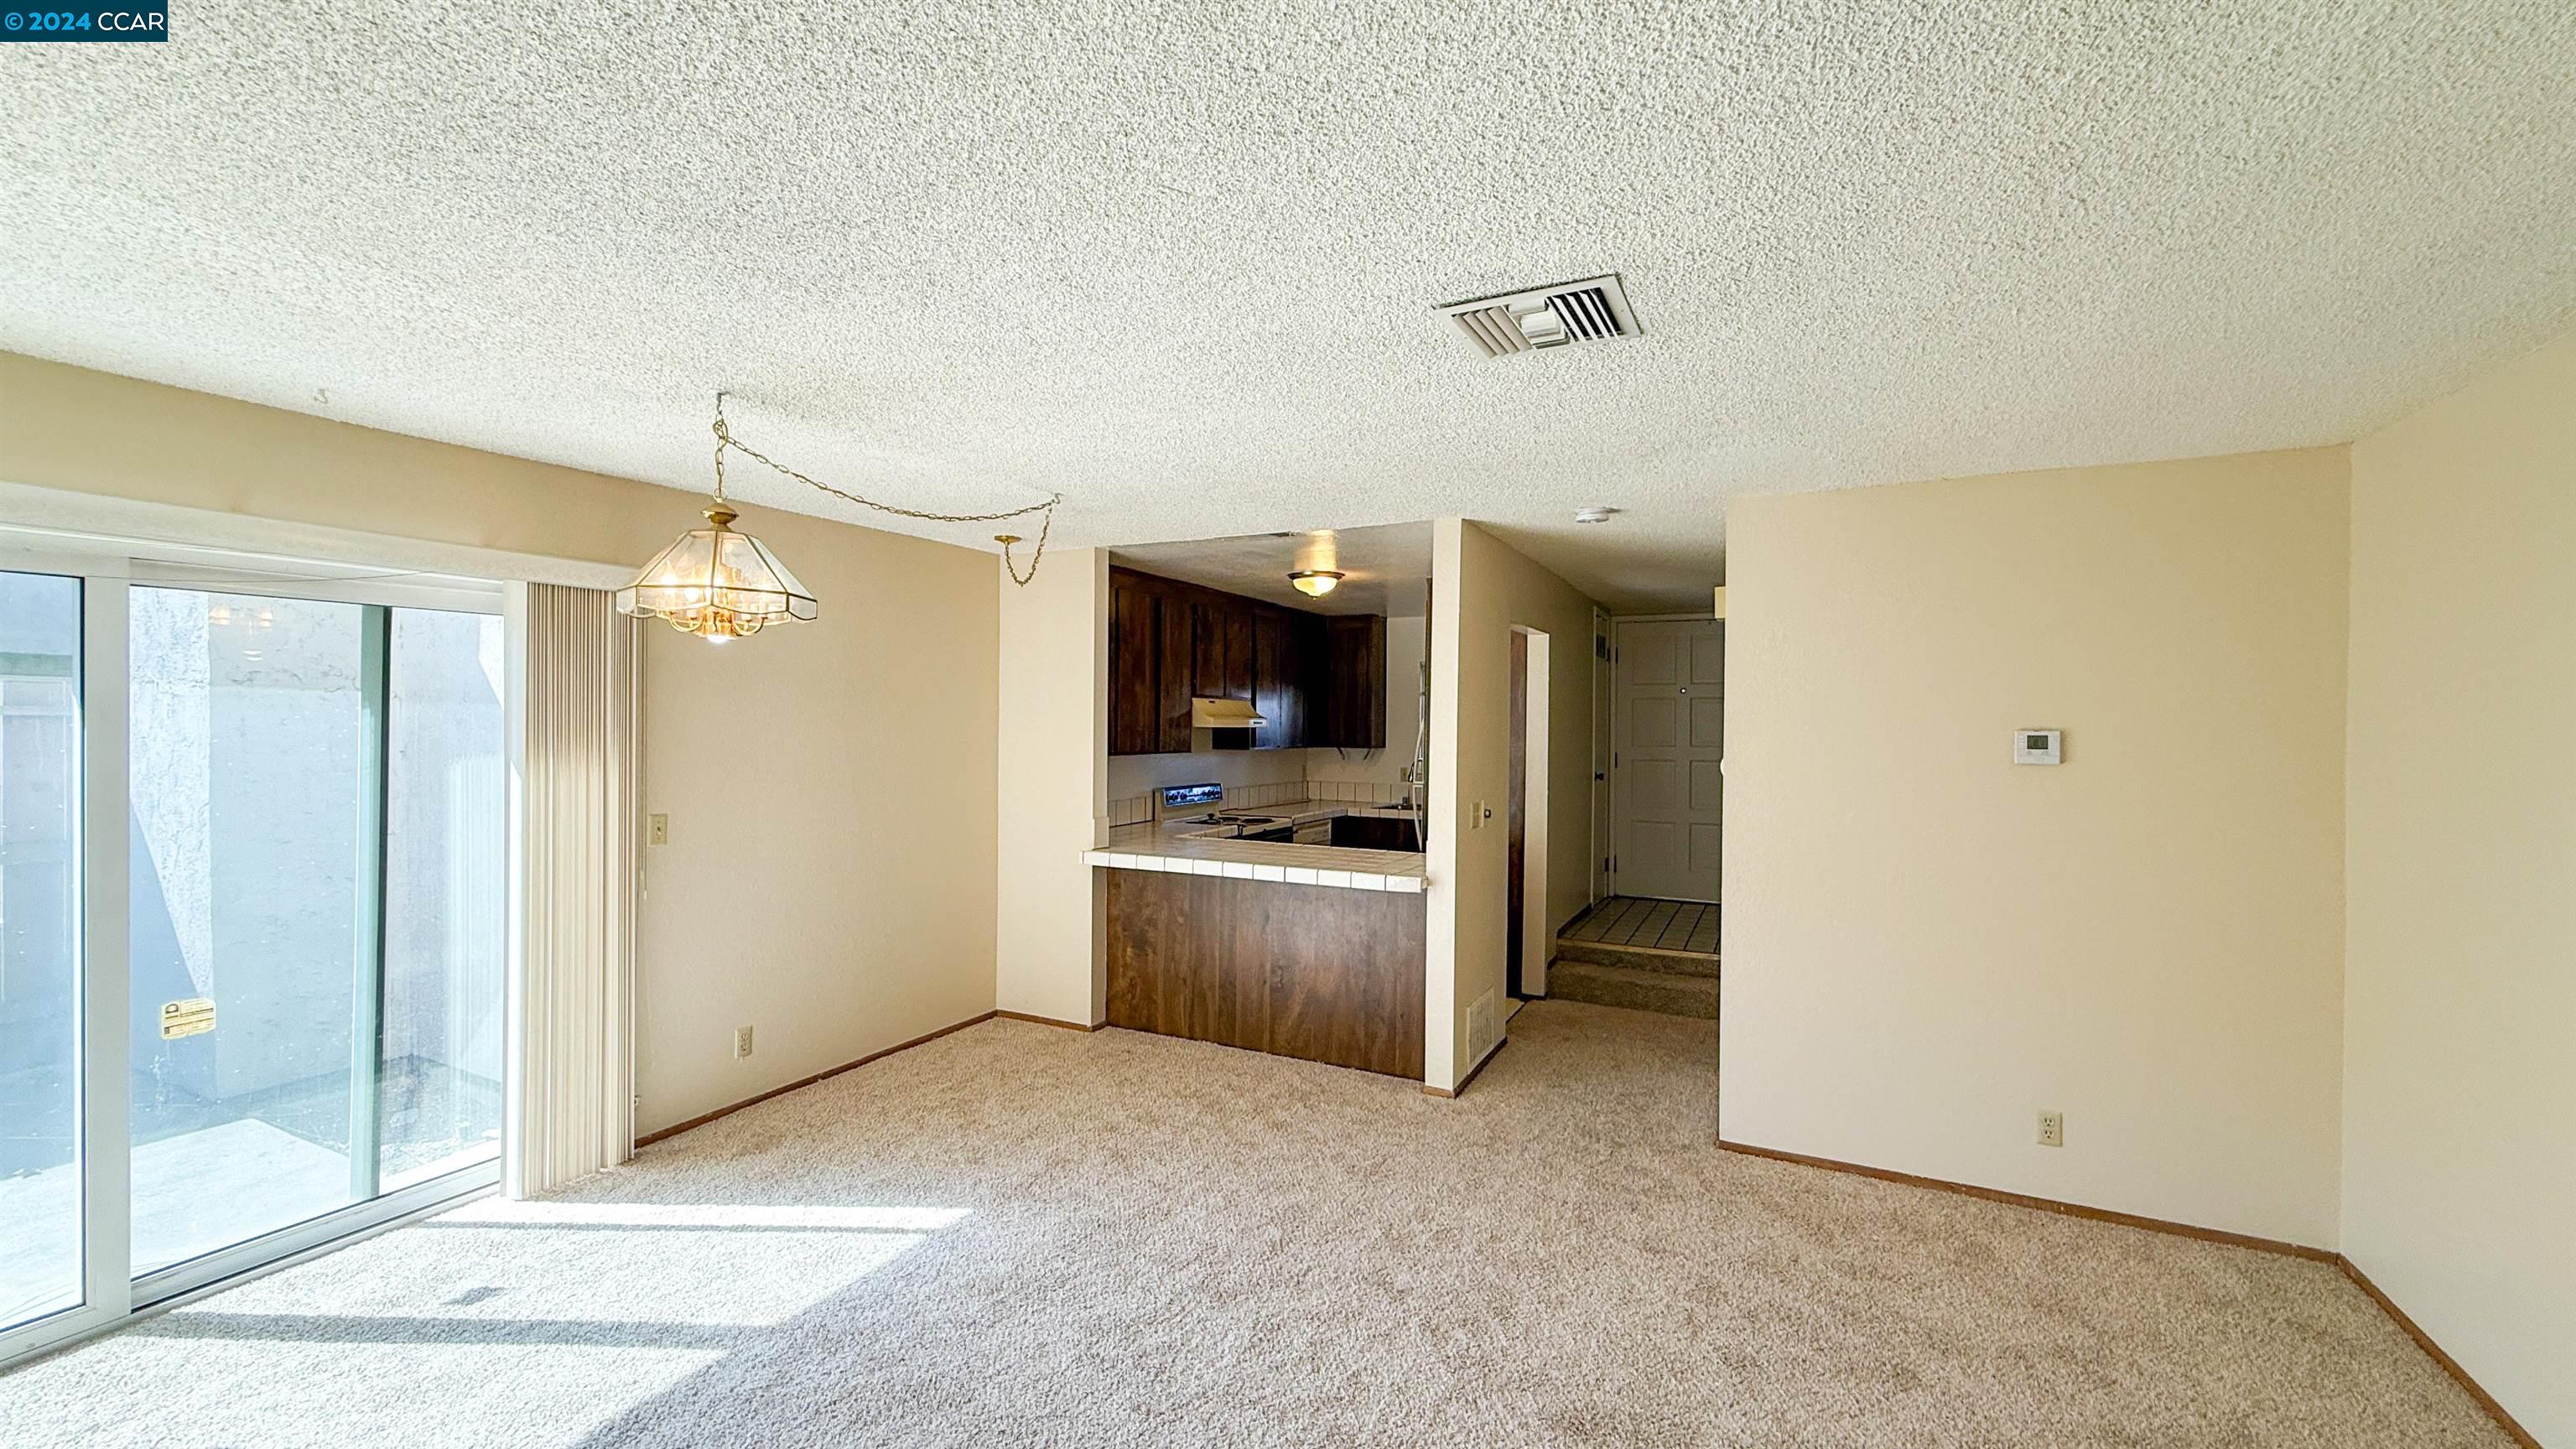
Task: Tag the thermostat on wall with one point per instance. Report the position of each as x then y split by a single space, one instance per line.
2035 747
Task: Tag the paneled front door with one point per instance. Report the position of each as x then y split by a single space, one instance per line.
1668 727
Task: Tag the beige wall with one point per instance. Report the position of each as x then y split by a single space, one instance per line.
1926 944
2459 1192
1054 747
1480 588
829 880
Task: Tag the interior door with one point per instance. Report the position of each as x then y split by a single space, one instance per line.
1669 733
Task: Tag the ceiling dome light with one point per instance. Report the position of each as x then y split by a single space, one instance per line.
1597 513
1315 583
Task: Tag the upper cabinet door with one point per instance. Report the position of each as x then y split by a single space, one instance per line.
1207 649
1355 711
1135 718
1275 688
1239 662
1172 655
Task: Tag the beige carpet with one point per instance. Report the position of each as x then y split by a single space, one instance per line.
1022 1235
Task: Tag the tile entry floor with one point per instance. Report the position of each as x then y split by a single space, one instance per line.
1647 923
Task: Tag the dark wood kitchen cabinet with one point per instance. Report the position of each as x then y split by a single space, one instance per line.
1315 680
1221 664
1354 683
1239 662
1135 708
1280 677
1172 675
1207 649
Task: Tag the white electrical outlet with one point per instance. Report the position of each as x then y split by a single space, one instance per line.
2052 1129
657 830
742 1041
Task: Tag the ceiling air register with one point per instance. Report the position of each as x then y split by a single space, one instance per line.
1593 310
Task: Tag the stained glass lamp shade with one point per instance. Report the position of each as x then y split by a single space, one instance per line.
717 584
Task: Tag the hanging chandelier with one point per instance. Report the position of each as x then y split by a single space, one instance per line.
719 584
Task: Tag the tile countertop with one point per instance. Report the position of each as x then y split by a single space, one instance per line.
1150 847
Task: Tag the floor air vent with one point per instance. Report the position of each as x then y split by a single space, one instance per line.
1594 310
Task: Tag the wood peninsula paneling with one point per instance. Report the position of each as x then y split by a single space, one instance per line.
1317 972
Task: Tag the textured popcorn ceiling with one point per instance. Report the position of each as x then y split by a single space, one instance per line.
1179 261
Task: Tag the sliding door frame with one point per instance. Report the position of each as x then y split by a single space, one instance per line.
111 1294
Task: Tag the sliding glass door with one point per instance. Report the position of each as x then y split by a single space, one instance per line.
277 1015
439 1041
257 783
40 1169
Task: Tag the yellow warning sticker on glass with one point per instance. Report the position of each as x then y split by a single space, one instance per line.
191 1017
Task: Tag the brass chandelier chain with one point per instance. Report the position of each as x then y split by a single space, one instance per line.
725 439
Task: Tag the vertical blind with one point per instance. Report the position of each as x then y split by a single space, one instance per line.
574 1102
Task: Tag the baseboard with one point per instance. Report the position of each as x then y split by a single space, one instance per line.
676 1128
2423 1340
2450 1365
1491 1052
2042 1204
1044 1020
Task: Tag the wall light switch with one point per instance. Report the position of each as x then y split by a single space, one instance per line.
2037 747
657 830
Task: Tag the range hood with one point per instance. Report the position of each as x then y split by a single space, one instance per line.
1223 714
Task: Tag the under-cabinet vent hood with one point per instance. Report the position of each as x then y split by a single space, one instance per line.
1224 714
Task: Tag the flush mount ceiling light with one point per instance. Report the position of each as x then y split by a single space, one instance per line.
1315 583
719 584
1594 514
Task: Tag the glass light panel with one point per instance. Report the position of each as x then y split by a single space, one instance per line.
252 866
40 966
446 882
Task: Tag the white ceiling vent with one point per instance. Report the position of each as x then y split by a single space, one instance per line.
1589 311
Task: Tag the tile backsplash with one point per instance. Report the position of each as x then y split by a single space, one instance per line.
1139 809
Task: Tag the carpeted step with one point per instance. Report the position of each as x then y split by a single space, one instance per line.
1664 991
1633 958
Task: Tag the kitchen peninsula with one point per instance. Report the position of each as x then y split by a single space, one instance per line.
1261 864
1223 928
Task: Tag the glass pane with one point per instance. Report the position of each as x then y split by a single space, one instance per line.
253 914
40 1188
445 879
